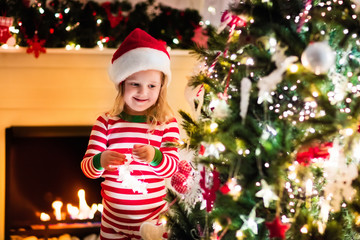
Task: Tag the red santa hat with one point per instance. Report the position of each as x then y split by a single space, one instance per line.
139 52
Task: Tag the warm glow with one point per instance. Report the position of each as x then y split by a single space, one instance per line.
309 188
85 210
213 126
44 217
304 229
163 220
73 211
239 235
217 227
100 207
81 212
57 205
293 68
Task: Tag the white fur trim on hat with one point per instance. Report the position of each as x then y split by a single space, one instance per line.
136 60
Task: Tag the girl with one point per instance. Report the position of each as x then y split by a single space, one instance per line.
128 145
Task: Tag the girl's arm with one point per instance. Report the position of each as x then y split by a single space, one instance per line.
90 165
167 158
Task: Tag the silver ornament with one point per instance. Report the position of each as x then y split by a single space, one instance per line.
318 57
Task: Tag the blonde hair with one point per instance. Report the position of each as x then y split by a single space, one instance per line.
159 113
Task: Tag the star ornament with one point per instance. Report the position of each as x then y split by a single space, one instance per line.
36 46
277 228
251 222
266 193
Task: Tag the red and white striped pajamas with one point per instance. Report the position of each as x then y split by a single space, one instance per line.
125 210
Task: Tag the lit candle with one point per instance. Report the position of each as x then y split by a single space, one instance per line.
83 207
44 217
73 211
57 209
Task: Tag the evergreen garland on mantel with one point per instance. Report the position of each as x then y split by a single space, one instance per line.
88 24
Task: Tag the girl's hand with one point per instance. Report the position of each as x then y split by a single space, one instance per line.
143 153
110 160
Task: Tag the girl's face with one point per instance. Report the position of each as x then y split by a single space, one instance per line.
141 91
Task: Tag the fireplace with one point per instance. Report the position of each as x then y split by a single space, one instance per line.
42 166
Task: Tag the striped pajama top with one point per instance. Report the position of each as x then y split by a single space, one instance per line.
124 208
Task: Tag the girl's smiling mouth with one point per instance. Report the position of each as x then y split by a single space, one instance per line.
140 100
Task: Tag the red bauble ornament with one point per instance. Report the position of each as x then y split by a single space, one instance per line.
178 178
181 188
184 167
179 183
277 228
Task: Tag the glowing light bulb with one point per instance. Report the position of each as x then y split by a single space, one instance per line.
304 229
250 61
212 10
239 235
213 126
293 68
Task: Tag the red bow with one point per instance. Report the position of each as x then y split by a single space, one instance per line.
114 20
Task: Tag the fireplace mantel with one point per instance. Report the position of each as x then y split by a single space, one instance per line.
66 88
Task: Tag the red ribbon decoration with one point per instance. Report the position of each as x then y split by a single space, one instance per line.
209 194
114 20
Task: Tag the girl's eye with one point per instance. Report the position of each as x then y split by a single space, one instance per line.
134 84
152 86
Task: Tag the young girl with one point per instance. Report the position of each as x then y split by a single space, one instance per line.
128 146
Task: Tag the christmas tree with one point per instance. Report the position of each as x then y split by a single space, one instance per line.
273 138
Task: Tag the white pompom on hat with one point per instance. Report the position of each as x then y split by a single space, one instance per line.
139 52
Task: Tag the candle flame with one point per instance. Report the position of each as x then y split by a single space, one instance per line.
81 212
57 205
44 217
73 211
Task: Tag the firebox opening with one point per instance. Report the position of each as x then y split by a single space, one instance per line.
43 165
